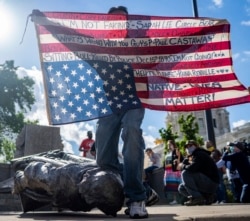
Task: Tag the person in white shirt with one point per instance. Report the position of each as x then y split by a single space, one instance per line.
155 160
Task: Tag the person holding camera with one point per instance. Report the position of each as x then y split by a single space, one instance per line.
240 162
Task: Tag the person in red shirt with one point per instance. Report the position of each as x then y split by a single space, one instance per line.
86 145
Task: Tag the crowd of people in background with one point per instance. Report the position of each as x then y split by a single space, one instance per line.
209 175
204 175
198 176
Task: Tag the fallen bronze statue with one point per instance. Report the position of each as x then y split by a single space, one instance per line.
66 181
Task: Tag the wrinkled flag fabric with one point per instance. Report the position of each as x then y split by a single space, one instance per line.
98 64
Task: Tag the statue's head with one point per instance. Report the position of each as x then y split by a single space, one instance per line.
104 189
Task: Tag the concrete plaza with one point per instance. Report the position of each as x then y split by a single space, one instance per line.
222 212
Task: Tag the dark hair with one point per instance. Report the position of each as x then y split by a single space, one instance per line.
148 150
191 142
118 8
173 143
89 133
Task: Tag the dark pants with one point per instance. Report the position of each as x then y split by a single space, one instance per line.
221 190
196 185
148 171
245 194
236 188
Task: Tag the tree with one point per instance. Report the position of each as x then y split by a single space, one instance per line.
7 149
17 97
190 130
166 135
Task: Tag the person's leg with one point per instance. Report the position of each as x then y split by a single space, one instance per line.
183 191
221 190
198 187
149 171
106 143
197 184
245 194
133 153
237 185
152 196
189 185
175 180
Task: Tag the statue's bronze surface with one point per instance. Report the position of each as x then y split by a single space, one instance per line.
66 181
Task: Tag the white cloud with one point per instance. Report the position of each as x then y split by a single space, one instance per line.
149 140
67 147
38 110
246 23
245 57
236 55
247 53
247 7
152 129
218 3
239 123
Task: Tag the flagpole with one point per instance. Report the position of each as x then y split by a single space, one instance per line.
208 113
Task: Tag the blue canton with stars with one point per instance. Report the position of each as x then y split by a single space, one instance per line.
81 91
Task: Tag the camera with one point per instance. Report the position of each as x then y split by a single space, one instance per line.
230 144
244 146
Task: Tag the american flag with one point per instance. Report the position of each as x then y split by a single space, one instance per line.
98 64
79 91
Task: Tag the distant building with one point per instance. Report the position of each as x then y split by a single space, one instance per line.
241 133
220 121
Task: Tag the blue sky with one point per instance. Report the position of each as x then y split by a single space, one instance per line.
13 15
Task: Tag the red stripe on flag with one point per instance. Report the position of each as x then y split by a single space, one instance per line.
181 80
206 104
152 50
185 64
179 64
132 33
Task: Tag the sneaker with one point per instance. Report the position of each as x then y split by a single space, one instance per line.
126 211
195 201
174 202
152 199
137 210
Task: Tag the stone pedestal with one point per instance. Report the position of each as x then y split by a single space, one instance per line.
5 171
156 182
35 139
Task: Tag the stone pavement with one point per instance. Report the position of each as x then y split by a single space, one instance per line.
222 212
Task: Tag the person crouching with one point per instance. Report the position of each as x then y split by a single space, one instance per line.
199 176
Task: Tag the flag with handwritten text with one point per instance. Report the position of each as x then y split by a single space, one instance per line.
98 64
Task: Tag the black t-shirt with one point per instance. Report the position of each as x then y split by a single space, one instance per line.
203 163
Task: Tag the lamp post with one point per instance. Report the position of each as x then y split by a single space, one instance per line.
208 113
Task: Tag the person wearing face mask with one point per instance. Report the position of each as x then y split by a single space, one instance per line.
240 162
199 175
